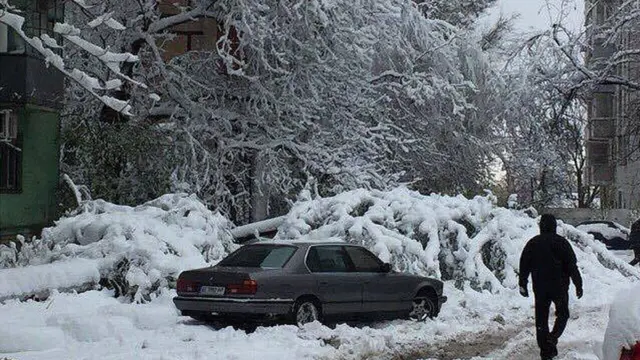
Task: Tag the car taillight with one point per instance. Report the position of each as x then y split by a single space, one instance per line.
187 285
248 287
633 354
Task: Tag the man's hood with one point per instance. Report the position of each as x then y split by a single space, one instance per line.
548 224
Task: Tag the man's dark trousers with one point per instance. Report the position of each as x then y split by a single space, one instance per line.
636 257
547 341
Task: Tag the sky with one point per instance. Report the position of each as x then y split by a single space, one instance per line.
540 14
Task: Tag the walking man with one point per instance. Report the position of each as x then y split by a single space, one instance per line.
551 262
634 242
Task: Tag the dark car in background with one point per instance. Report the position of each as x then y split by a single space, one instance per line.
613 235
304 282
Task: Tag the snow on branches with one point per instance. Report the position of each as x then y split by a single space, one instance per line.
347 93
44 44
471 242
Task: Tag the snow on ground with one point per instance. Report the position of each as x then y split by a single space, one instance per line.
471 244
95 325
624 324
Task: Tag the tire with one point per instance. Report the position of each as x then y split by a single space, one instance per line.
424 307
306 311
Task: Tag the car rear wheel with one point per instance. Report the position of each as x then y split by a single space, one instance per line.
424 308
306 311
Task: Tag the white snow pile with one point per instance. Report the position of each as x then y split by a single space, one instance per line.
623 330
136 250
141 250
451 238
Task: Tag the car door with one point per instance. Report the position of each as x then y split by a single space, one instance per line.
338 286
382 291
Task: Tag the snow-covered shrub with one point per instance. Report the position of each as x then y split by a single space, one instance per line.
140 250
469 241
136 250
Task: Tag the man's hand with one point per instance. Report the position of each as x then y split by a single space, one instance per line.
579 292
523 291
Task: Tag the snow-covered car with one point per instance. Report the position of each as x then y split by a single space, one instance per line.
622 338
305 282
613 235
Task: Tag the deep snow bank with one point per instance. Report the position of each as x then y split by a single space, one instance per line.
623 330
140 250
452 238
136 250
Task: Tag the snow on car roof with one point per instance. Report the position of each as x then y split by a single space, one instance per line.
623 329
304 242
604 229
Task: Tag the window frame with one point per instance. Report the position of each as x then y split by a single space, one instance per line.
12 148
40 18
379 262
13 44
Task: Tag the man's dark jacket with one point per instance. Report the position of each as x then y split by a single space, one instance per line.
634 237
551 262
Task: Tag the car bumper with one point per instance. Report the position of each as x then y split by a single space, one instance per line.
234 306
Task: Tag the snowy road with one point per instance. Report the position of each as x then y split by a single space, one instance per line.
473 325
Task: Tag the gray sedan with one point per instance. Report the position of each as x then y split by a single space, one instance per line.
305 282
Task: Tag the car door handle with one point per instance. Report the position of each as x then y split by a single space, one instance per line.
324 283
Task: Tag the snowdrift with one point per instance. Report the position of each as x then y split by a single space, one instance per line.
140 251
623 330
468 241
136 250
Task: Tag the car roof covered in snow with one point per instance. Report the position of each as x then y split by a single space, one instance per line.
304 243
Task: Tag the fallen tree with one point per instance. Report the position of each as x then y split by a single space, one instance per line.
138 251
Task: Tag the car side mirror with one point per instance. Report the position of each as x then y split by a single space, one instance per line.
386 268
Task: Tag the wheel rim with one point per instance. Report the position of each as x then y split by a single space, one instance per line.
422 309
307 312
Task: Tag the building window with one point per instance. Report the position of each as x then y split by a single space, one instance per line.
10 153
621 202
599 152
623 149
10 41
40 17
601 11
602 105
193 35
602 128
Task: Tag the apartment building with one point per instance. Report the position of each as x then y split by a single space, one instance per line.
613 144
31 100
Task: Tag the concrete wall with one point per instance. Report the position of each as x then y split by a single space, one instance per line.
623 217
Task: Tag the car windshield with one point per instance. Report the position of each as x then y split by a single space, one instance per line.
260 256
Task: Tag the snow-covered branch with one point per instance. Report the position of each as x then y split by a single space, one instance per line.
44 45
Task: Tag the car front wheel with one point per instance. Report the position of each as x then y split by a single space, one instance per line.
423 308
306 311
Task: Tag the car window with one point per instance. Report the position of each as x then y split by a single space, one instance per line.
327 259
277 258
364 260
260 256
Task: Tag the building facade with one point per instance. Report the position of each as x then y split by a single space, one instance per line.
31 97
613 114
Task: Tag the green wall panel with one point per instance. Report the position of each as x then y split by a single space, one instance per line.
35 205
